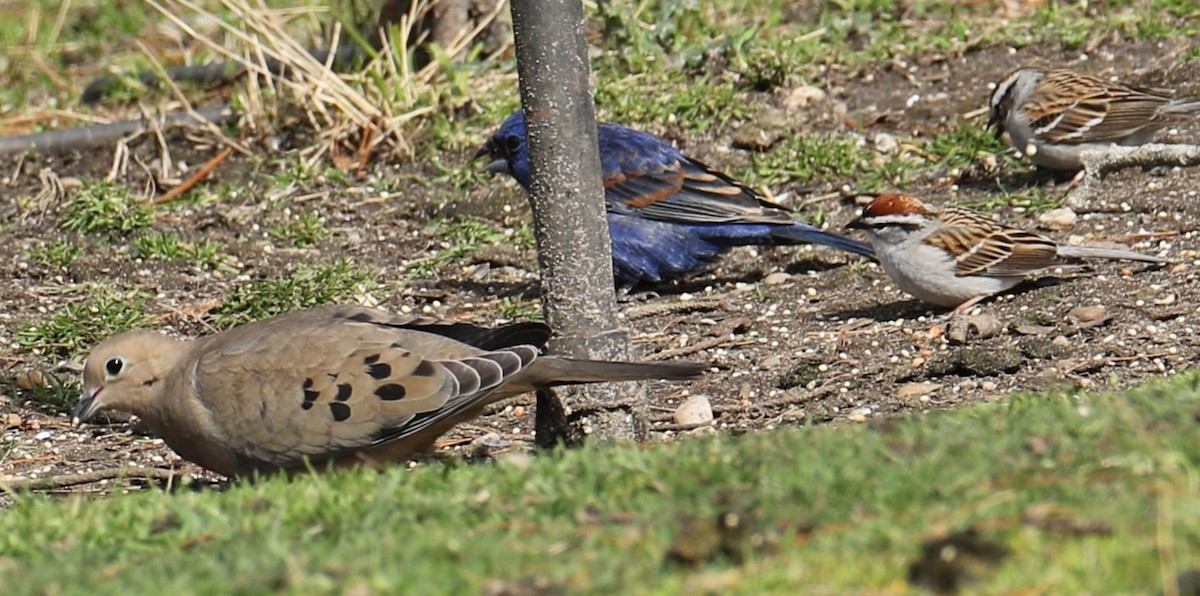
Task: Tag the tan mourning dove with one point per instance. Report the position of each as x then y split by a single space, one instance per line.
338 384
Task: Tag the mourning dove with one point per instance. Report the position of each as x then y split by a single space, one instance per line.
334 384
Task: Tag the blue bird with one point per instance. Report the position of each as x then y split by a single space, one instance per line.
668 215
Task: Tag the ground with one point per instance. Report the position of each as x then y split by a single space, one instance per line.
794 335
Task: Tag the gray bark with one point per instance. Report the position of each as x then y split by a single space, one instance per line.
574 253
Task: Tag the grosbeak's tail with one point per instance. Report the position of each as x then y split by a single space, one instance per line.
799 233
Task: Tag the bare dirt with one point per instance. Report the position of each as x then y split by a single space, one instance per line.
796 335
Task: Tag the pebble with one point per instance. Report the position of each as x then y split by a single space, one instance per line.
801 96
771 362
694 411
1063 218
42 436
1088 314
777 278
30 379
858 415
885 143
914 390
970 327
12 420
489 442
986 361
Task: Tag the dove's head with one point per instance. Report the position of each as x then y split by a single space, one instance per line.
125 372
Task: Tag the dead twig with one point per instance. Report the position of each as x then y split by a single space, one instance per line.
1101 162
66 480
790 398
652 309
194 179
712 342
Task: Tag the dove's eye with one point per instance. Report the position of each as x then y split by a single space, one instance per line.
114 366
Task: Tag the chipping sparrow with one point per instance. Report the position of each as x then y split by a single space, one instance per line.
955 257
1053 116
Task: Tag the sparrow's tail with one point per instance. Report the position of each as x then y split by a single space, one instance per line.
1095 252
800 233
1183 105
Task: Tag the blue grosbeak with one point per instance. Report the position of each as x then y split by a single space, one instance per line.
668 215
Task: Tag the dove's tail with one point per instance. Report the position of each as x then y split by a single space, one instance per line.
552 371
1095 252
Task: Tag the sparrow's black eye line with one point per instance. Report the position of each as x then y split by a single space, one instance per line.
903 225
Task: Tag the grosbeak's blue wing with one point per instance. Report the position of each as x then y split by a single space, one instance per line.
644 176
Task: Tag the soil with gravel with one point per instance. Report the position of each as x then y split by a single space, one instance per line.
796 335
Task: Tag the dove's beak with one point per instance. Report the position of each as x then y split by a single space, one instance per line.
497 165
87 406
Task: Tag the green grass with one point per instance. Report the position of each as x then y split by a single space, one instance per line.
462 236
1035 200
167 246
519 307
808 157
303 229
55 254
79 326
306 287
1086 494
106 207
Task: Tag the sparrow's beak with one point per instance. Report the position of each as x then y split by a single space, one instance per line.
87 406
857 224
498 165
994 120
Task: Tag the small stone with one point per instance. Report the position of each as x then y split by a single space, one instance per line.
1040 348
858 415
1028 329
916 390
30 379
767 128
12 420
989 386
1167 300
885 143
777 278
1088 314
488 443
771 362
42 436
694 411
801 96
987 361
966 328
1063 218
